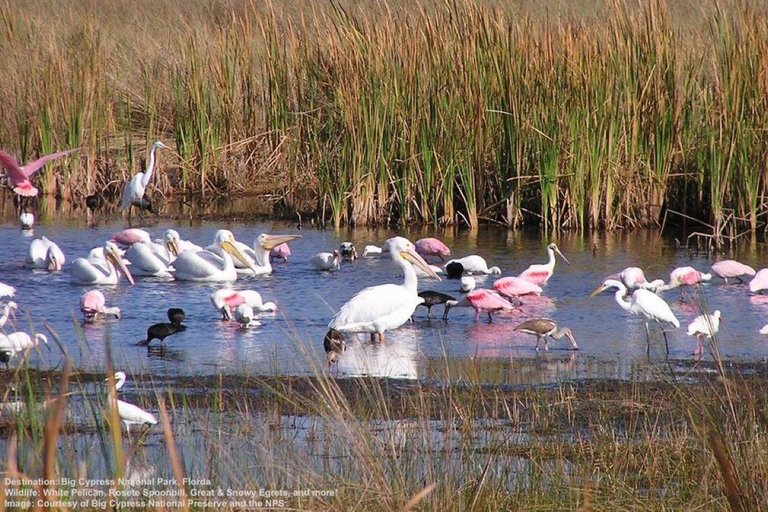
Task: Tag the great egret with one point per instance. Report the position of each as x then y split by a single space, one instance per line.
134 190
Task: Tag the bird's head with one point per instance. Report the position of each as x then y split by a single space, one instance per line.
553 247
54 263
159 145
227 242
112 254
269 242
607 285
172 242
402 249
568 334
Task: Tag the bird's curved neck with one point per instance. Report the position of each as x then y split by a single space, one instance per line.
551 262
262 256
150 166
625 305
411 281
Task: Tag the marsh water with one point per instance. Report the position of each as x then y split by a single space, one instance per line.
289 342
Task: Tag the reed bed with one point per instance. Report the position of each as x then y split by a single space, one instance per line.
456 113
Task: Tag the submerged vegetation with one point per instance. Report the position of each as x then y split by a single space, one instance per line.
459 113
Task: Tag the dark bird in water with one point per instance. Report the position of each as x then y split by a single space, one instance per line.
454 270
144 204
334 346
160 332
176 315
543 327
94 202
5 358
348 251
432 298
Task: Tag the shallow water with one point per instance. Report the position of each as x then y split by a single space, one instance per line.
289 342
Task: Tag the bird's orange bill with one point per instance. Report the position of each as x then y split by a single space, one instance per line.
172 247
117 261
237 253
557 250
275 240
414 258
599 289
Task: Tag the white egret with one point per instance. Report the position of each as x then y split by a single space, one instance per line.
17 342
133 194
5 311
129 413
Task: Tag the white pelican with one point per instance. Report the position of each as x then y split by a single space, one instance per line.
326 260
6 311
17 342
379 308
27 220
6 290
151 259
475 264
44 253
643 302
206 266
227 299
134 190
540 274
263 244
129 413
244 316
172 236
93 304
95 270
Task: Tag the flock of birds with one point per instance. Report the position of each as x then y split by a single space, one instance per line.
374 310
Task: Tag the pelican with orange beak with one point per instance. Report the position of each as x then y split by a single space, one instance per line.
212 267
101 270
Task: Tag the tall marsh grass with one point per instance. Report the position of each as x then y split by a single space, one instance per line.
455 113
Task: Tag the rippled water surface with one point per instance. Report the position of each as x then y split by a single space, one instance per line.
289 342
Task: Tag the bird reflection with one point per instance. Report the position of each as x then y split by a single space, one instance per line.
396 360
163 353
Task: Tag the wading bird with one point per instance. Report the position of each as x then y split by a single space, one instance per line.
133 195
6 310
645 303
334 345
378 309
515 286
432 298
226 300
26 220
244 316
7 290
473 264
131 414
326 260
19 175
16 342
759 282
467 284
678 278
704 326
100 270
93 304
540 274
432 247
45 254
206 266
347 251
482 300
280 252
731 269
632 277
160 331
543 328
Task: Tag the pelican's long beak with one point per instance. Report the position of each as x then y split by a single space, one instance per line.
275 240
173 248
413 257
117 261
599 290
234 250
557 250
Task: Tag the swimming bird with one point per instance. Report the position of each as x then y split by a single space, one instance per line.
160 331
280 252
16 342
454 269
759 282
244 316
645 303
543 328
326 260
334 345
127 237
148 259
45 254
131 414
175 244
134 190
731 269
704 326
432 247
26 220
347 251
482 300
372 251
93 304
467 284
176 315
19 175
7 290
5 311
378 309
515 286
433 298
100 270
257 257
207 266
540 274
474 264
226 300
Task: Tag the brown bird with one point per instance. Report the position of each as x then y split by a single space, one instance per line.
543 327
334 346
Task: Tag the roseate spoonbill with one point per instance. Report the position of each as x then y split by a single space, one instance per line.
130 414
6 290
93 304
226 300
632 277
380 308
134 190
540 274
326 260
45 254
543 328
475 264
245 317
704 326
19 175
515 286
678 278
334 345
16 342
645 303
280 252
467 284
432 247
432 298
206 266
481 300
759 282
348 251
160 331
95 270
731 269
130 236
372 251
27 220
6 310
176 315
